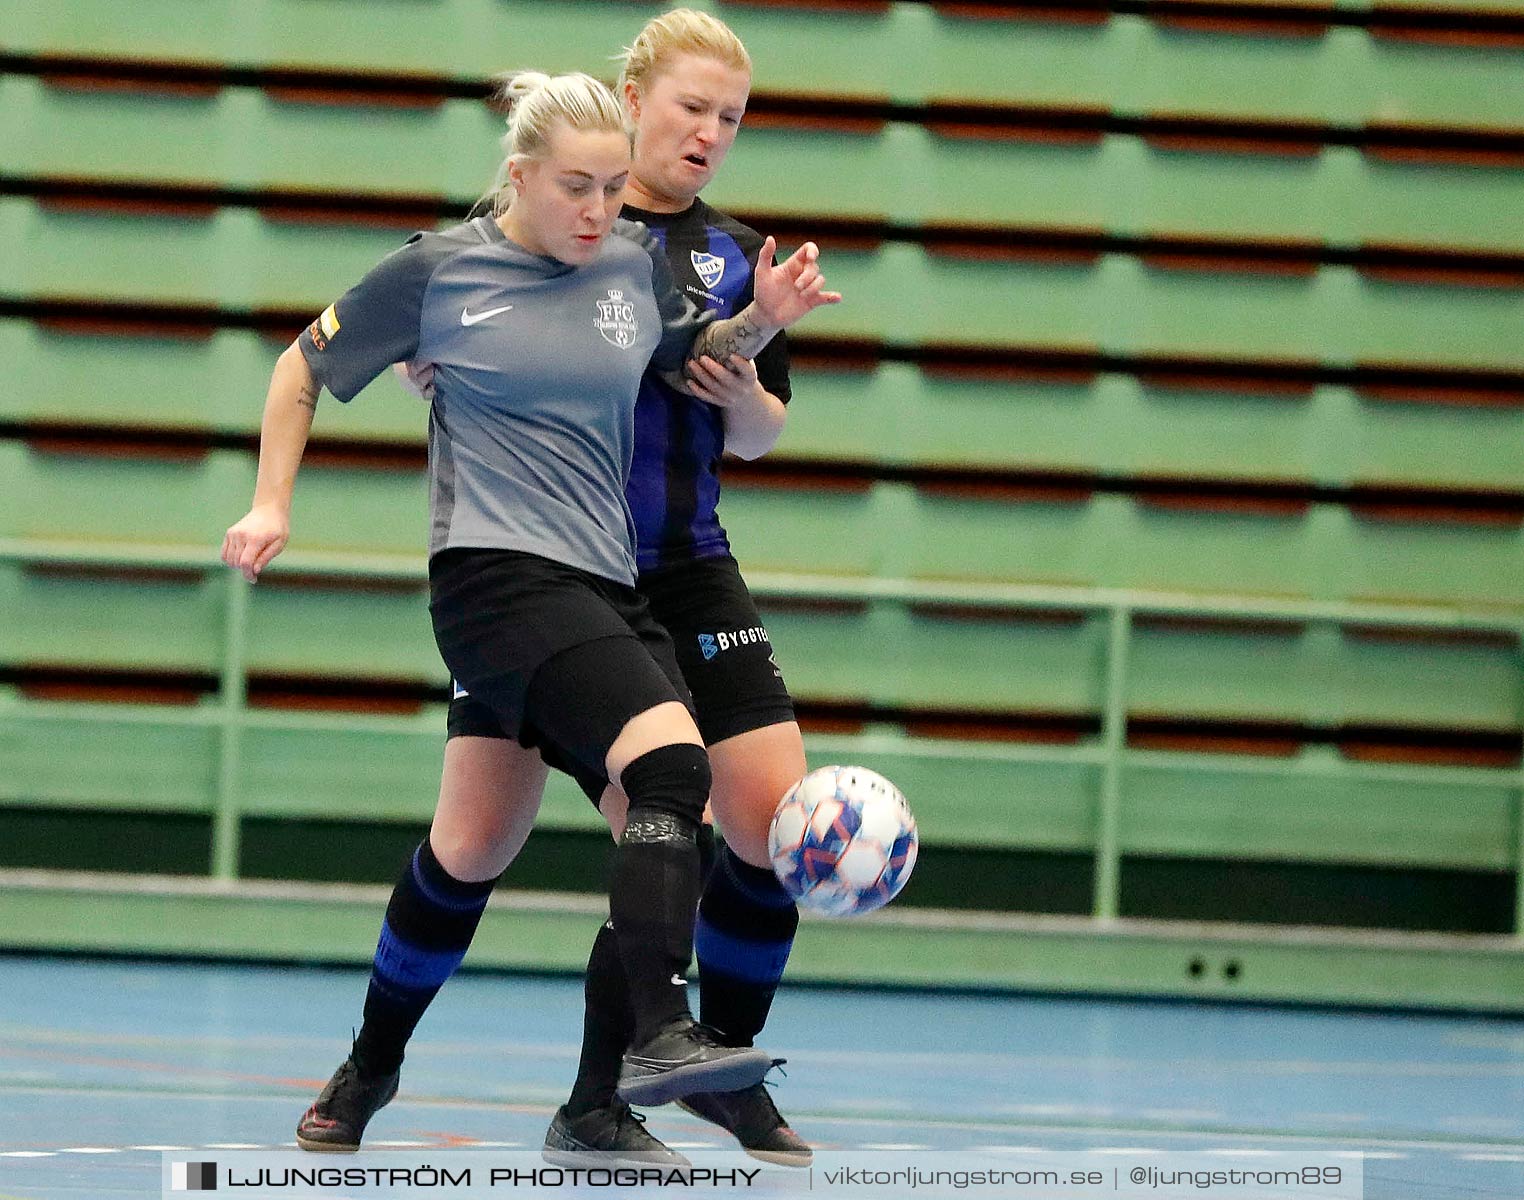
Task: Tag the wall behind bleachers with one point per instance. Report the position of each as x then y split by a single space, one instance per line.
1152 509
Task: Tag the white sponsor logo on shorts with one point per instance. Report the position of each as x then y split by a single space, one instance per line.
711 644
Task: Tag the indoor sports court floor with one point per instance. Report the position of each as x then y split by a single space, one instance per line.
102 1064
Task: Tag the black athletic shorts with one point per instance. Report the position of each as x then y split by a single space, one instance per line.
549 655
721 647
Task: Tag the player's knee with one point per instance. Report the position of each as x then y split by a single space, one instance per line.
474 856
671 781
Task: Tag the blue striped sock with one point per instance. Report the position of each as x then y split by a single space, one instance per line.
745 930
429 925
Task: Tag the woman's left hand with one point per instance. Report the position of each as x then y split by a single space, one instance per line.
722 386
786 291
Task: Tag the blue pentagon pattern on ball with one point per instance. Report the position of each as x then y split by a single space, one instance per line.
843 841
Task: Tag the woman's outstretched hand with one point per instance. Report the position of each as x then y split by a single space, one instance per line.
786 291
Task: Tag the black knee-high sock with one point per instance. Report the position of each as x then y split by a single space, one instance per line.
429 924
653 897
746 925
608 1024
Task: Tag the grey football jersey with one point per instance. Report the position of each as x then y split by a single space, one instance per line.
536 368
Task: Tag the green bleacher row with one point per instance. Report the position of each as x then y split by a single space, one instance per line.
242 137
892 414
888 529
899 293
943 660
909 53
387 768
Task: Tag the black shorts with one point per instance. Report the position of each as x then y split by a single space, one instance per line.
721 648
501 616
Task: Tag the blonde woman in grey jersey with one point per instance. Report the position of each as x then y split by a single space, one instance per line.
685 82
540 321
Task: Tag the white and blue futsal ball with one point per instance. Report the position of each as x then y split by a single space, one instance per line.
843 841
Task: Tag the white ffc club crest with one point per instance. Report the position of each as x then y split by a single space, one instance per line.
710 267
616 320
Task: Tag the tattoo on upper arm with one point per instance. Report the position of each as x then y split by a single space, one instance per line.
307 397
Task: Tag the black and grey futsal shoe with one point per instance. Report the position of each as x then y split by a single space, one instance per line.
344 1108
684 1057
752 1116
606 1137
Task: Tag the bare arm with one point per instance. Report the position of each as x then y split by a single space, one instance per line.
290 404
753 416
752 429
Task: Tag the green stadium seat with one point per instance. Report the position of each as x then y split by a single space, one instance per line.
1224 195
251 139
352 632
313 765
994 660
1470 565
1436 444
1435 324
1203 551
79 496
825 532
1338 196
1305 79
114 756
1458 206
56 131
214 384
953 537
165 622
967 794
1326 552
1463 85
1320 675
358 510
1315 814
1028 62
162 384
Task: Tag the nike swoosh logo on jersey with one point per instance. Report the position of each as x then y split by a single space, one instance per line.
467 317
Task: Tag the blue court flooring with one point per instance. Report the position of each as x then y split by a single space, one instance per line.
105 1063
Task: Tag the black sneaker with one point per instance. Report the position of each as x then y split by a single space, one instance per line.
752 1116
683 1057
607 1137
344 1108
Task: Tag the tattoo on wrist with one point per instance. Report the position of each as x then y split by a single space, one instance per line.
740 334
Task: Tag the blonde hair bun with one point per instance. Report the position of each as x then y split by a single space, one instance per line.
536 103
